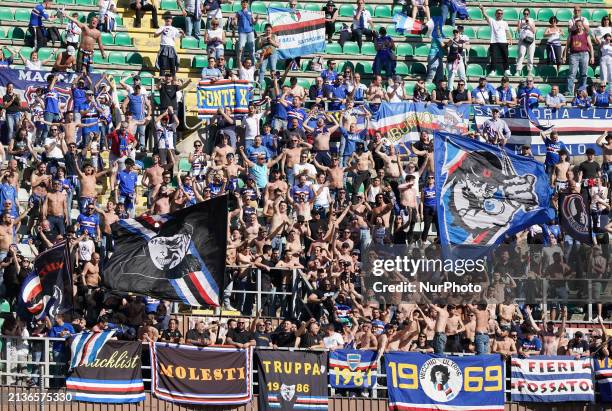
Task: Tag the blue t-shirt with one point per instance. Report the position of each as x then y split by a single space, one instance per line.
329 76
88 223
351 140
267 140
127 182
55 331
51 97
430 196
504 94
582 102
552 151
259 174
531 345
245 18
9 192
336 92
532 94
38 15
252 152
136 106
601 99
79 100
277 109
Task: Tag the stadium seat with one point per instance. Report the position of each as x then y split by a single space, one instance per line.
123 39
421 50
134 59
6 14
179 22
351 48
418 69
587 14
26 51
169 5
370 9
108 39
490 12
98 59
313 7
383 11
540 33
409 89
22 15
65 2
469 31
184 165
347 65
545 14
260 26
447 31
540 52
226 8
478 50
404 49
402 68
364 67
484 33
118 21
277 5
475 13
333 48
545 89
190 43
44 53
397 9
474 70
510 14
3 33
513 51
368 49
116 57
564 15
597 16
15 33
229 44
199 62
546 71
259 7
346 10
305 83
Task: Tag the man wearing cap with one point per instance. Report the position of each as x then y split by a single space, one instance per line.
495 130
506 95
484 93
531 93
578 346
167 59
89 37
65 60
136 81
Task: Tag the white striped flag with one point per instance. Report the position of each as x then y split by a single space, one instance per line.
299 32
408 25
86 346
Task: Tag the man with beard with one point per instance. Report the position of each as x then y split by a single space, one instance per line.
240 337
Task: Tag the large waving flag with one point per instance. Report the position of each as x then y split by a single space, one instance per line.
178 256
86 346
407 25
486 194
528 107
299 32
47 290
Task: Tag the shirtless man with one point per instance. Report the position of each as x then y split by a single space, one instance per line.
376 91
481 337
55 208
91 272
280 217
276 185
559 176
439 340
507 312
505 343
221 151
152 177
161 200
381 209
550 338
393 166
40 181
606 148
365 339
454 328
90 35
335 173
408 198
7 231
322 135
87 179
292 155
389 340
70 127
362 162
12 173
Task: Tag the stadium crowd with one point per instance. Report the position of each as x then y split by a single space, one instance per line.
309 188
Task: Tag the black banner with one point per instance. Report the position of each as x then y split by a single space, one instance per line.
575 218
196 375
178 256
292 380
114 377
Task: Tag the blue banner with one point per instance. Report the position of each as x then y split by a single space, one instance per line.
352 368
27 81
486 194
551 379
602 369
211 96
428 382
298 32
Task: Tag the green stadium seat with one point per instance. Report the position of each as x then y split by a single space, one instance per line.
6 14
16 33
478 50
513 51
544 89
545 14
260 26
404 49
474 70
65 2
430 87
116 58
333 48
418 69
397 9
259 7
364 67
540 52
44 53
179 21
469 31
546 71
447 31
510 14
134 59
564 15
409 89
590 72
350 48
190 43
22 15
586 13
402 68
305 83
84 3
346 10
490 11
199 62
313 7
421 50
598 15
226 8
123 39
484 33
26 52
368 49
229 44
108 39
383 11
3 34
169 5
347 65
98 59
118 21
475 13
540 33
370 9
277 5
236 6
596 1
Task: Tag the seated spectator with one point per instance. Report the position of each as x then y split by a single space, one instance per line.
199 335
363 24
582 99
142 6
484 93
461 95
578 346
420 7
240 337
506 95
555 99
331 15
601 96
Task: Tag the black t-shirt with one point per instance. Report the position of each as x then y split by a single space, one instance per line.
308 340
193 334
168 335
284 339
70 162
10 272
459 96
589 169
240 337
15 105
262 339
167 96
419 145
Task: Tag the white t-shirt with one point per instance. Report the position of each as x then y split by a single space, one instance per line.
86 249
251 126
310 169
367 19
333 341
247 74
165 135
33 65
130 90
56 152
322 200
168 35
216 34
499 29
398 96
73 33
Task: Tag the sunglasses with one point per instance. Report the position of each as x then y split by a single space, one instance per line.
197 145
